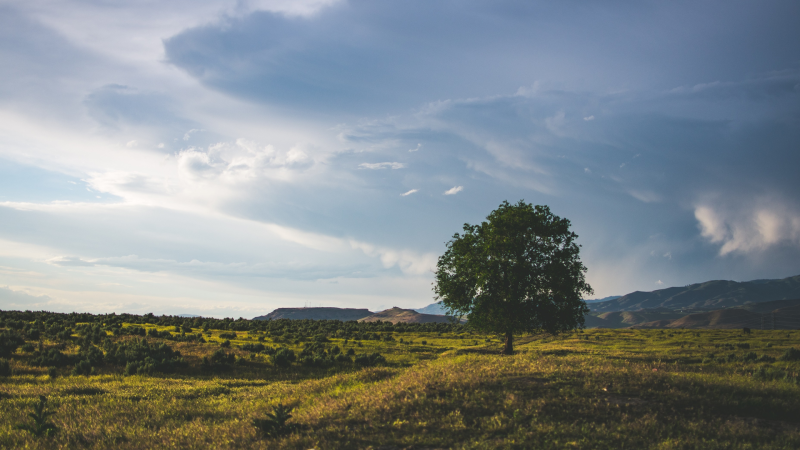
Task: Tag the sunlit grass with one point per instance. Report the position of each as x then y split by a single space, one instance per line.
597 389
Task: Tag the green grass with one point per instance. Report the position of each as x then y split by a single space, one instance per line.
598 389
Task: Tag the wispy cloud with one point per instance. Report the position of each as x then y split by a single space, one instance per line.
383 165
454 190
404 194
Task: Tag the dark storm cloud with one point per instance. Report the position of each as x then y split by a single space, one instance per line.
355 55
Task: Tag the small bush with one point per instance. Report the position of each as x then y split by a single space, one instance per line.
141 357
749 356
791 354
227 335
9 343
83 368
52 357
28 348
255 348
283 357
275 423
222 357
152 332
5 368
41 426
371 359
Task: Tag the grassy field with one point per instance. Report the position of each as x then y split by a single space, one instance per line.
597 389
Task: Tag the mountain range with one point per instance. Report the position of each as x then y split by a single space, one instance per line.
710 295
777 315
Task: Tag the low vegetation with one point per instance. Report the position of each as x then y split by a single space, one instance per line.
97 381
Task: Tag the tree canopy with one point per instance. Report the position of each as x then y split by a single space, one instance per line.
518 271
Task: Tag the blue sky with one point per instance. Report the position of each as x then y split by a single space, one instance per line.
230 157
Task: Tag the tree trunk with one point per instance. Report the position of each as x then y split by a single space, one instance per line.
509 347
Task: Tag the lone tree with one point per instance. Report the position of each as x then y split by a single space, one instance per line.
518 271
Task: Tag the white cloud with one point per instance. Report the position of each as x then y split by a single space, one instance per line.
749 229
383 165
588 118
410 262
416 149
404 194
645 196
75 261
659 283
20 300
556 123
587 170
454 190
190 133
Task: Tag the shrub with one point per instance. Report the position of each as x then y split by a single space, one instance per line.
227 335
28 348
52 357
91 354
341 358
275 423
41 426
371 359
255 348
791 354
64 335
5 368
9 342
283 357
152 332
134 331
83 368
749 356
141 357
743 345
222 357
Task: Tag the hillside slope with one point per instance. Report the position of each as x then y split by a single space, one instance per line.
397 315
709 295
343 314
778 315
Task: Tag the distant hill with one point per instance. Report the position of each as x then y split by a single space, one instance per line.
433 308
709 295
720 318
397 315
604 299
624 319
343 314
778 314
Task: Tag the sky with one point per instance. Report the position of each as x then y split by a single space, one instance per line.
229 157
